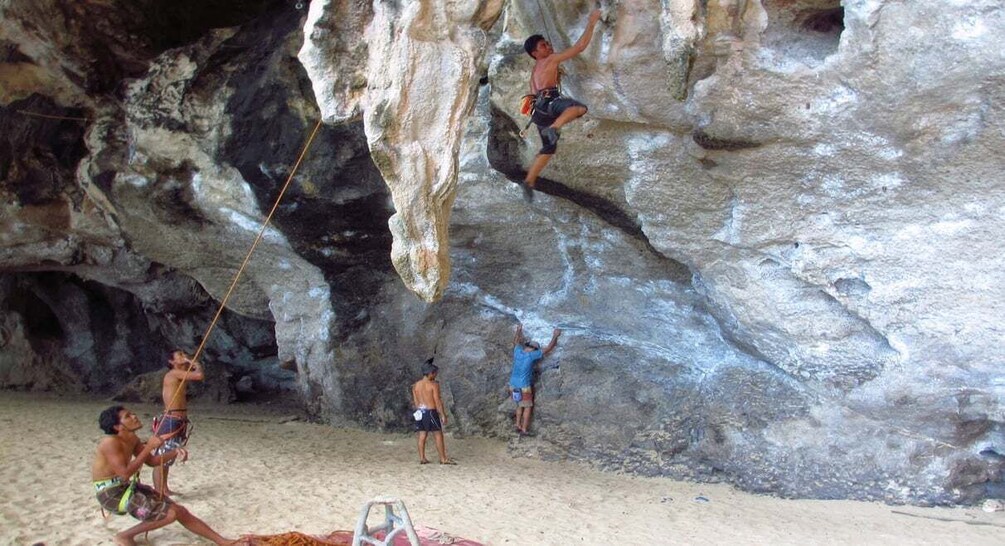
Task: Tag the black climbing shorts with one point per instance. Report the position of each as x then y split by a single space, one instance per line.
546 111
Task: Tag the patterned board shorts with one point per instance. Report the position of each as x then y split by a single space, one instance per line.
168 446
177 427
145 504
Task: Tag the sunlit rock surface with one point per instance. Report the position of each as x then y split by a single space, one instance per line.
420 74
830 182
773 244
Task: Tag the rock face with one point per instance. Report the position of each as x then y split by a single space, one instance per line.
413 123
772 244
167 179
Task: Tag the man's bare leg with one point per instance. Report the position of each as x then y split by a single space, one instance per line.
535 169
569 115
422 447
519 419
198 526
440 445
160 479
542 159
441 448
526 419
125 538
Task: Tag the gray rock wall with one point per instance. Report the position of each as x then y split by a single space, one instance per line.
806 162
156 178
772 244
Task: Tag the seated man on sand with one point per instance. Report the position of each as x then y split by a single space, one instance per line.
115 473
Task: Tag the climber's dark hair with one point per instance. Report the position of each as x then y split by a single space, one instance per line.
531 43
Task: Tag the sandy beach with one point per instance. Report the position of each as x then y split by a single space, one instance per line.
254 471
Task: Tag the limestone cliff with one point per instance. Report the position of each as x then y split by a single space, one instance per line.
772 244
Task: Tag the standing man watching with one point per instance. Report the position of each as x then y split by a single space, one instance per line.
172 425
525 354
429 414
115 473
551 109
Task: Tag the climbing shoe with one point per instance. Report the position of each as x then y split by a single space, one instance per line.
528 191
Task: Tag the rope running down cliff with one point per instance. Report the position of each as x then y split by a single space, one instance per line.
48 116
240 271
247 258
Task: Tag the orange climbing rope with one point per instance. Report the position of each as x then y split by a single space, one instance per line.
293 538
48 116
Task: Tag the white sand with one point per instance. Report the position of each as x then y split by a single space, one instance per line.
250 473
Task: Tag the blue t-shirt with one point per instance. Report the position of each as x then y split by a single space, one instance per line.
523 366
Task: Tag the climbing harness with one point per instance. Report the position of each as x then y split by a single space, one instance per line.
527 104
185 428
123 507
539 101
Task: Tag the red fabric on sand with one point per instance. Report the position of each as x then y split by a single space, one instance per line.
427 537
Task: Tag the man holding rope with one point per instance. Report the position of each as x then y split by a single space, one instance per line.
172 425
115 473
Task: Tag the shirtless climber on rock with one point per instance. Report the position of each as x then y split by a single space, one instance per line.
551 109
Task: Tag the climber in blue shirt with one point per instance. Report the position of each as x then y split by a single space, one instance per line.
525 354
